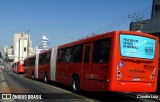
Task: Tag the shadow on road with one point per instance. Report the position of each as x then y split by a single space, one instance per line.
100 96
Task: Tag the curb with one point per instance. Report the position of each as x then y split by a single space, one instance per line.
4 89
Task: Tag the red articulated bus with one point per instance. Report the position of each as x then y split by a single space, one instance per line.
18 67
124 61
29 66
38 66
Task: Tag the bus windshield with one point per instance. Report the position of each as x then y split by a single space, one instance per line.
137 46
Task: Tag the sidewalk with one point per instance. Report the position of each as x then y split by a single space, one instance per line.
4 89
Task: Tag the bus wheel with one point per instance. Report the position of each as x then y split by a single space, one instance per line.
75 85
45 78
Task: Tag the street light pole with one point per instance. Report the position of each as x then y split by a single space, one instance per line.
71 37
28 45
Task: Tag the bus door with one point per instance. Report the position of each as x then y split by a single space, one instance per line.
99 71
86 66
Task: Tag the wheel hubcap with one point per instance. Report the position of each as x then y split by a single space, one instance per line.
45 79
74 85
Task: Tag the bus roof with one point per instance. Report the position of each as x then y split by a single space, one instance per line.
104 35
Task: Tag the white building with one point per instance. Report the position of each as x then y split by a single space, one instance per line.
8 53
22 46
43 45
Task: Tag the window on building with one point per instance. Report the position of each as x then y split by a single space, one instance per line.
25 49
157 7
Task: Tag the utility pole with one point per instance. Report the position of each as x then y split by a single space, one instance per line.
71 37
28 46
137 20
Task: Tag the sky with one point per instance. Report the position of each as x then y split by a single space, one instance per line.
59 18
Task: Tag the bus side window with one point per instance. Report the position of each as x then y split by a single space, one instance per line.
77 53
68 54
48 57
87 54
44 58
61 54
32 61
101 51
40 59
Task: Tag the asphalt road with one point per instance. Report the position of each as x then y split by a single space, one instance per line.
19 84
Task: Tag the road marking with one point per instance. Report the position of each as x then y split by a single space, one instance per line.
80 96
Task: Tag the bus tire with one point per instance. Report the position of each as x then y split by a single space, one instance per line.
75 85
45 78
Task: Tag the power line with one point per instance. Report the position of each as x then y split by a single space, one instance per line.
111 24
141 14
118 24
142 11
137 18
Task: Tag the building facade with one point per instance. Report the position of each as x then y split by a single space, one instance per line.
8 54
22 46
43 45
